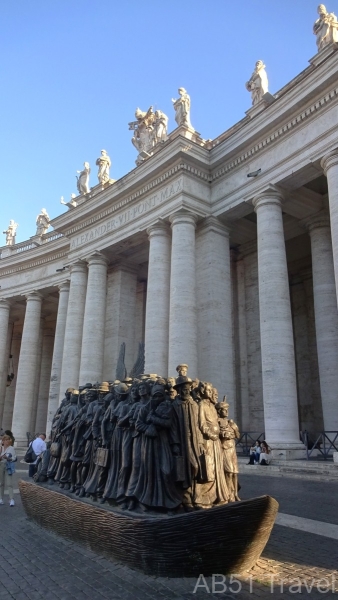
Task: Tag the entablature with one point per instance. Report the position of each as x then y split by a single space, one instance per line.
300 95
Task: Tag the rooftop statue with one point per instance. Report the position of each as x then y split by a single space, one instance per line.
258 83
143 127
83 179
42 222
325 28
149 129
104 164
11 233
182 109
160 126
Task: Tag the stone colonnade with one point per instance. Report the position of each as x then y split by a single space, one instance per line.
93 317
189 316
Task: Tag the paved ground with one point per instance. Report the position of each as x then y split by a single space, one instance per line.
36 564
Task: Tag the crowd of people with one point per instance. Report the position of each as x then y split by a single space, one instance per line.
146 443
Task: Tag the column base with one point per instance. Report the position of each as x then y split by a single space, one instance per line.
288 451
20 443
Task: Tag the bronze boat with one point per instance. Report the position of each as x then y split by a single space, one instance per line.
224 539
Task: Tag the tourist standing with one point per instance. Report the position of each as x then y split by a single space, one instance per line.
39 446
7 459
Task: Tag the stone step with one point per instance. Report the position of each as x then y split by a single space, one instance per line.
299 464
305 471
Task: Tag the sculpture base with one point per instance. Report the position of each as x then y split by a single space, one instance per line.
224 539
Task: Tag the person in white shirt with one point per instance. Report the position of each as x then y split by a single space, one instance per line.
39 446
7 453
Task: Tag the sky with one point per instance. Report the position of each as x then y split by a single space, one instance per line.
73 72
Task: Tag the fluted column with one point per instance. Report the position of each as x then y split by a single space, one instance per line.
214 307
4 354
182 314
24 392
74 324
326 315
45 372
277 345
54 386
158 296
94 320
330 167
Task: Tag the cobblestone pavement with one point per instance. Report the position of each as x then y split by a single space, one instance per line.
37 564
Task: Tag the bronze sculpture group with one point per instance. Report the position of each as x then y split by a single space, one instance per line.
146 443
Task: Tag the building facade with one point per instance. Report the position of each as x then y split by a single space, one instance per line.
222 254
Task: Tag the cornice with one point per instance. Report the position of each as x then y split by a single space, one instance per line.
277 134
182 167
31 264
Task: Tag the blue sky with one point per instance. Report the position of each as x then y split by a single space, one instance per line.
73 73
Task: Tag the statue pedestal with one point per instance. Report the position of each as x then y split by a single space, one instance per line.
7 251
260 106
189 133
323 54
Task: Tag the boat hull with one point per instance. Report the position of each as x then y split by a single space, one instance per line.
225 539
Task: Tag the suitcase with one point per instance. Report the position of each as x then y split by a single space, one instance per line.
207 468
101 459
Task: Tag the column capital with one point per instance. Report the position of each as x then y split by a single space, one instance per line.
183 217
34 296
320 219
160 228
97 259
64 286
5 304
329 160
214 224
79 266
272 195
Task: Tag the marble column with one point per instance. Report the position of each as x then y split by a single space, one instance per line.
241 346
183 314
74 324
54 387
92 351
277 345
45 372
214 308
120 319
329 164
253 339
24 392
304 372
140 315
326 315
10 390
158 296
4 354
37 381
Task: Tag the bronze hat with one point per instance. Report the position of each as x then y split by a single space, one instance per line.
181 380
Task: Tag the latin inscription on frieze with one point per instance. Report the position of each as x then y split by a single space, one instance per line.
128 215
